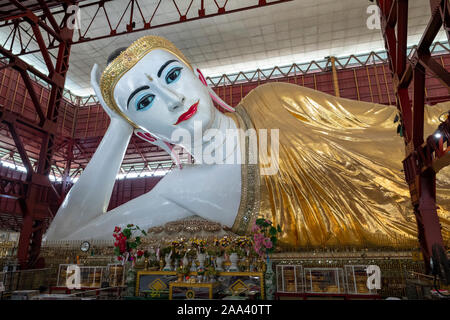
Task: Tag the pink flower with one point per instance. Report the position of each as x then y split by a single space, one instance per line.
255 228
258 237
268 243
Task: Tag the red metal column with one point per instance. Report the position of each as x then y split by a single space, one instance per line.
32 230
421 159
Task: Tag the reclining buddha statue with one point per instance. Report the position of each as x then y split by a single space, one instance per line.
334 179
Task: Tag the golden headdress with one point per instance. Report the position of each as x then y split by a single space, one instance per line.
127 60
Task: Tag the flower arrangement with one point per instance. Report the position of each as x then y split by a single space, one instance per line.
264 237
198 244
179 245
240 245
211 271
184 270
201 271
126 247
224 242
215 251
243 241
235 249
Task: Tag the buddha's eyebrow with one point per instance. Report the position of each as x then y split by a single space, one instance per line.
136 91
165 65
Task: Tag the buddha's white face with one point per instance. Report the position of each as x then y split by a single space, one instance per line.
162 94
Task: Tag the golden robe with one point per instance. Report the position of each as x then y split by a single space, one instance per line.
340 179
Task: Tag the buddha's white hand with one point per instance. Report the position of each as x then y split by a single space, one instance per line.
95 83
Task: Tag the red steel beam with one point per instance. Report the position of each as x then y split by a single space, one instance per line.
67 167
21 149
34 211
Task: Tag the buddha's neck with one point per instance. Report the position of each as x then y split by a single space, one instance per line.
213 142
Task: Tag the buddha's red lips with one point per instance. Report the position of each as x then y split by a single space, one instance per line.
188 114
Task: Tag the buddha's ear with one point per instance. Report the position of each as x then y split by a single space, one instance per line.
146 136
213 95
95 83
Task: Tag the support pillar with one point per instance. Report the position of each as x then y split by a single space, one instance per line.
335 77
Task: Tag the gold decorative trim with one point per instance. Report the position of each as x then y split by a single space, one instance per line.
127 60
192 225
250 186
208 285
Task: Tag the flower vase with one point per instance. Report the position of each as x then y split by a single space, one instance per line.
193 266
234 260
201 260
139 264
252 266
219 262
185 261
245 264
168 266
270 284
130 278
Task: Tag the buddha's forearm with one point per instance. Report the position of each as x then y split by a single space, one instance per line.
96 183
90 195
148 210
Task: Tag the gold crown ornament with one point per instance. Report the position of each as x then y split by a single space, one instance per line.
127 60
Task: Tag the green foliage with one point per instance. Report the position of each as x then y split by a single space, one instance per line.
184 270
273 231
191 253
127 232
211 271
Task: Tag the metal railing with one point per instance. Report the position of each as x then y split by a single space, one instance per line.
33 279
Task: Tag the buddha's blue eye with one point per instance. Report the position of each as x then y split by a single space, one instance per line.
145 102
173 75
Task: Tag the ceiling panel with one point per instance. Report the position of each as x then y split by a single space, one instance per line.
297 31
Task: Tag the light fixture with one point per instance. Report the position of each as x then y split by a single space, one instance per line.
437 135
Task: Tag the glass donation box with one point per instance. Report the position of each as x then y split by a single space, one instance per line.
289 278
324 280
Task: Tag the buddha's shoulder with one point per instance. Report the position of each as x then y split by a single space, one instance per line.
274 90
268 98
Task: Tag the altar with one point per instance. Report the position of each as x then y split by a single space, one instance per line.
166 285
